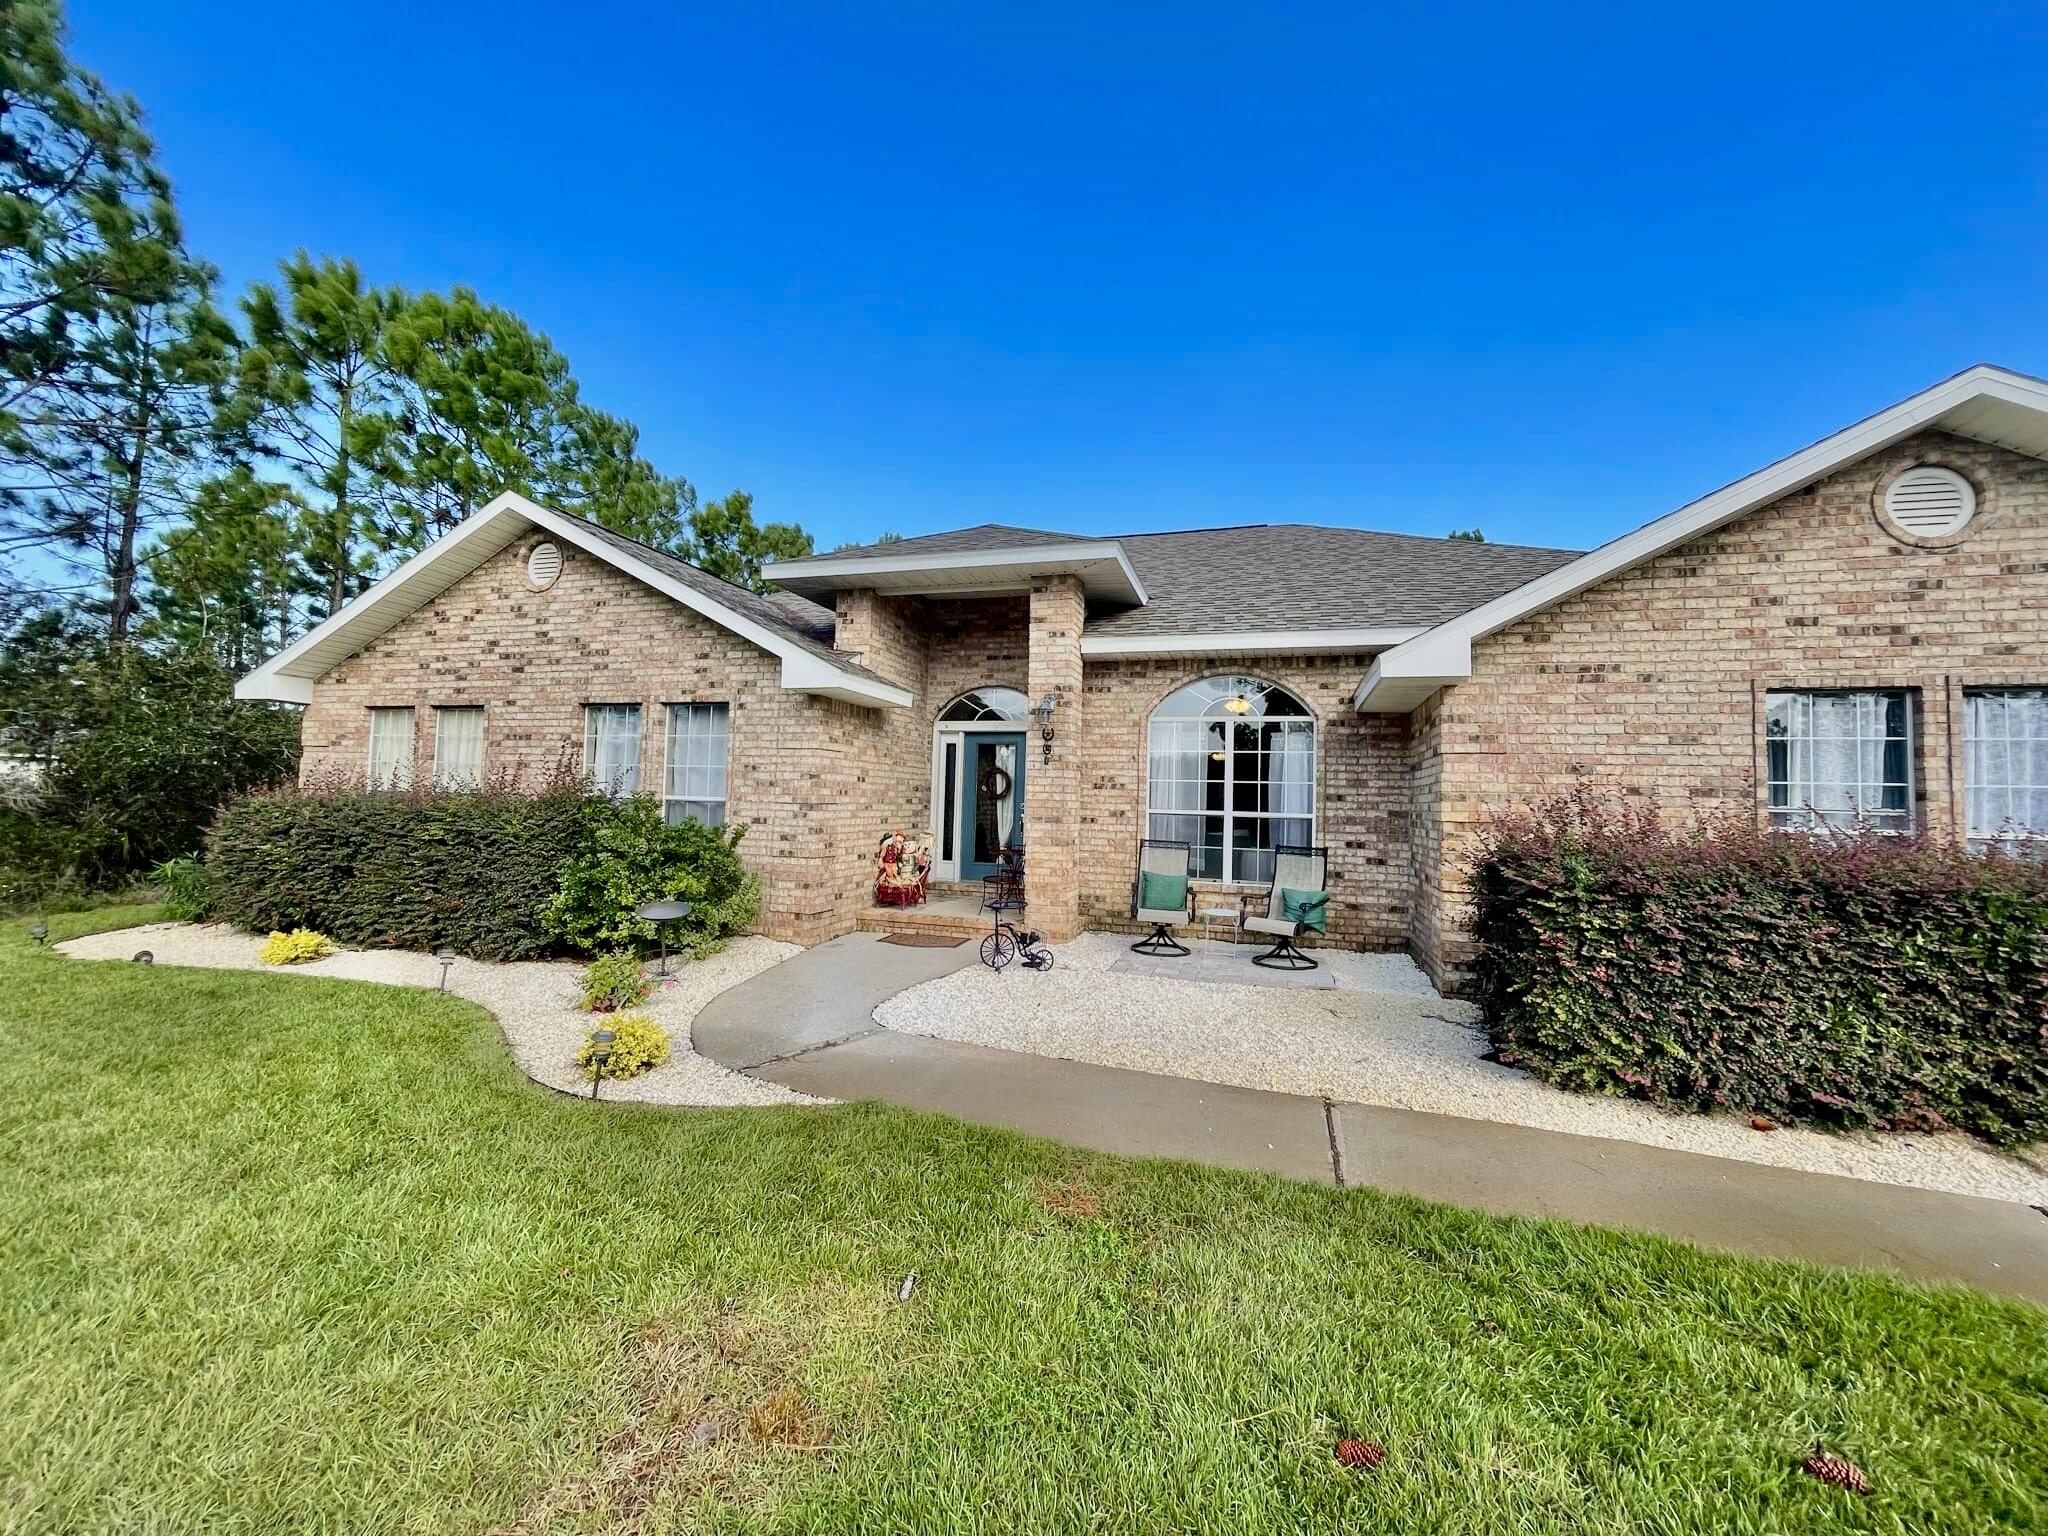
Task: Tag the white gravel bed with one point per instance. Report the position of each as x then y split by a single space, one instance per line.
534 1000
1383 1037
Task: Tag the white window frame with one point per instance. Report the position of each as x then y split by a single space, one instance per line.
2006 837
671 801
1903 823
1231 815
592 713
404 765
471 779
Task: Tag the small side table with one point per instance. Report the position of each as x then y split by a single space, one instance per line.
1214 915
661 914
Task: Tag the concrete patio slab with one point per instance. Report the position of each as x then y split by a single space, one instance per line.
1511 1170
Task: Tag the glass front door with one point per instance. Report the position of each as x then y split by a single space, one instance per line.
991 801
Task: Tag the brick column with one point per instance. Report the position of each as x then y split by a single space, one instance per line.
1052 790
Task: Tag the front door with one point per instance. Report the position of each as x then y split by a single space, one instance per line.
991 802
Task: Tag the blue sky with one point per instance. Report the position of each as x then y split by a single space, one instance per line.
1108 268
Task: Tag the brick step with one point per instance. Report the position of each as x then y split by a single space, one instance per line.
920 920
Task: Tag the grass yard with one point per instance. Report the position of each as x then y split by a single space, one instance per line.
292 1254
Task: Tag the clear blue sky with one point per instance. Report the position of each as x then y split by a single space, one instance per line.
1096 268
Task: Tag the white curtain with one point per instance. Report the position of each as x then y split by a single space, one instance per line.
1290 781
611 747
391 748
459 746
1006 804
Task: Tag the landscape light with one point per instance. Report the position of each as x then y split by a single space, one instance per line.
39 930
446 955
602 1040
144 957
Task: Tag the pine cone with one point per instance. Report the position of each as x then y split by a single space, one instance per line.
1836 1471
1361 1454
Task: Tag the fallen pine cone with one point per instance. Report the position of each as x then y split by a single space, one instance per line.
1836 1471
1759 1123
1363 1455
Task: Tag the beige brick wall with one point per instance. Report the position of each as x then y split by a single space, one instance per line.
1053 797
797 765
1650 686
1362 801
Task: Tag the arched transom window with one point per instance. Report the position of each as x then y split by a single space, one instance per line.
987 704
1232 770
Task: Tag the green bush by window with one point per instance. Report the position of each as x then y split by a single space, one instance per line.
1834 981
478 870
635 858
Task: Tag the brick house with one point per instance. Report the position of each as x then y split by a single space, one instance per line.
1856 630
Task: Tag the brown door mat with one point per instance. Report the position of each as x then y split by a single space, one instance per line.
923 940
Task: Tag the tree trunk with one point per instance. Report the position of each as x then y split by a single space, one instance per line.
129 509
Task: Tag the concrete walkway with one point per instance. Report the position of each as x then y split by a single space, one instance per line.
808 1024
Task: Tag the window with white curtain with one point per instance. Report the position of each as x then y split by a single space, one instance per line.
693 787
1839 758
1231 768
611 747
391 738
459 746
2005 765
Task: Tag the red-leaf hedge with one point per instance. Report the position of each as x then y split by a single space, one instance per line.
1836 981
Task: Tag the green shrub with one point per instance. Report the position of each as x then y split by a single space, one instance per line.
613 982
1835 981
295 948
499 873
411 870
639 1045
636 858
186 886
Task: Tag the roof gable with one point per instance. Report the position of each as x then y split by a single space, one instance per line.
809 664
1990 404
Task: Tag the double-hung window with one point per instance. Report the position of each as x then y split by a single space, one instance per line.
2005 766
391 739
459 747
1839 758
693 786
611 747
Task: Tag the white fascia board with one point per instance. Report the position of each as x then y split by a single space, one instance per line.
1250 642
1426 655
863 571
289 675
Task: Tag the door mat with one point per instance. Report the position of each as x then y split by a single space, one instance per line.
923 940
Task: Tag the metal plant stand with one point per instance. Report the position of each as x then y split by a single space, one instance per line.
661 914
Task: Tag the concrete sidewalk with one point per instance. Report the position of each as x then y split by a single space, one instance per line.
809 1024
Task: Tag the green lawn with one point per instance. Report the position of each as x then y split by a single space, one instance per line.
282 1253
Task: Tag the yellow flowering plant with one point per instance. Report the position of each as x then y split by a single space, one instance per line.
295 948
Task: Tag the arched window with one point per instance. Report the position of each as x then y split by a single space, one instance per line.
987 704
1232 770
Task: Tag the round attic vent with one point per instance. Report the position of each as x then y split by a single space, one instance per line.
543 566
1929 502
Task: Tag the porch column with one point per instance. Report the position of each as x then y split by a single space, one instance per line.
1052 790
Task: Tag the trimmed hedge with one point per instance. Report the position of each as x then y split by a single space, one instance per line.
477 870
1833 981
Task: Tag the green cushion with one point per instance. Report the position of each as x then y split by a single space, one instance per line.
1308 908
1162 893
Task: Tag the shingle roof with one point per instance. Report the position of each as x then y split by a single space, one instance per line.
807 623
980 536
1286 576
1275 576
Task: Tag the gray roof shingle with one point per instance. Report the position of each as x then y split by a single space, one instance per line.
1284 576
1276 576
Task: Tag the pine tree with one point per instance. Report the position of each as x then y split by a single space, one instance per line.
725 541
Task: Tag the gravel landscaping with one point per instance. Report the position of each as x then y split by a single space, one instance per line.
534 1001
1382 1036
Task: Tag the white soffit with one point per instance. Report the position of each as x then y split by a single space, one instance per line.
1101 564
1988 404
288 677
1273 642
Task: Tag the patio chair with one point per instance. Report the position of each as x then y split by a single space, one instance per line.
1163 894
1297 903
